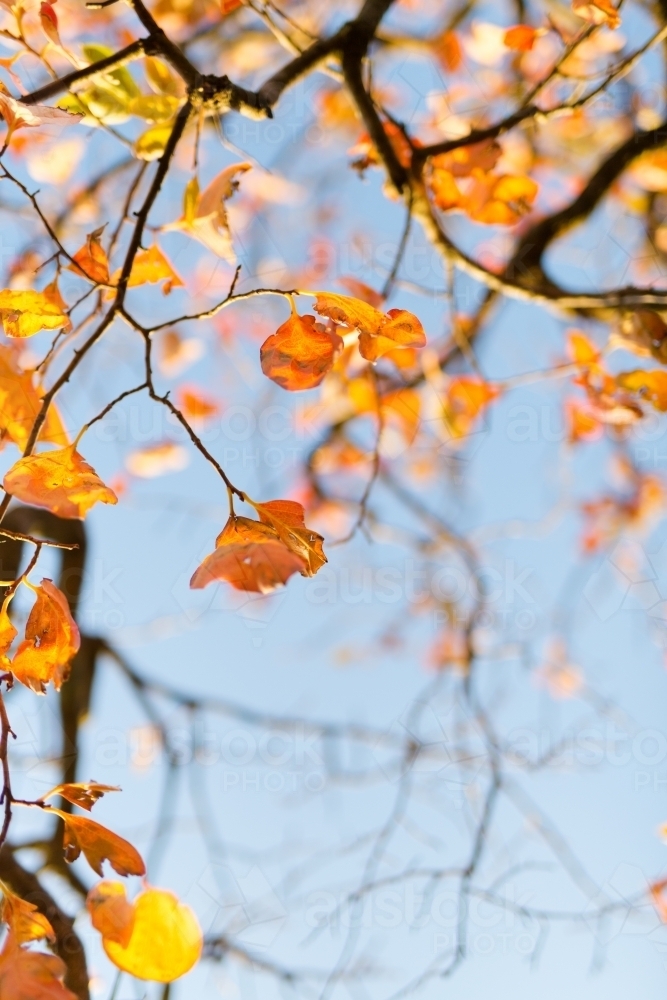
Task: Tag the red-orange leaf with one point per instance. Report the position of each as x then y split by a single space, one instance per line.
299 354
249 555
51 641
91 261
62 481
521 37
379 333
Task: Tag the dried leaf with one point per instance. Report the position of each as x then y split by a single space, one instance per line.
51 641
23 918
249 555
149 267
287 518
299 354
208 222
160 941
99 844
62 481
31 975
91 259
25 313
19 115
83 794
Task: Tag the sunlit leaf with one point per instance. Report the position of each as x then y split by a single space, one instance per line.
162 939
98 844
287 518
31 975
51 641
62 481
207 220
379 333
597 12
91 259
196 407
83 794
520 37
25 313
299 354
249 555
23 918
21 401
157 460
149 267
649 385
467 397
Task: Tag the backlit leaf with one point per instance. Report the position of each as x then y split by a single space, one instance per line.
521 37
62 481
98 844
299 354
249 555
23 918
51 641
91 259
157 460
83 794
650 385
161 943
149 267
21 401
467 396
31 975
207 221
379 333
25 313
287 518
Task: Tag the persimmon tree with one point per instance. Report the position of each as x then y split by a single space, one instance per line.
145 200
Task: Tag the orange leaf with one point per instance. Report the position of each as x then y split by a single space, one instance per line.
99 844
157 459
286 517
156 937
584 423
597 12
51 641
651 385
110 912
467 397
62 481
299 354
379 333
462 161
23 918
500 200
7 632
521 37
249 555
91 260
31 975
448 51
195 407
582 350
83 794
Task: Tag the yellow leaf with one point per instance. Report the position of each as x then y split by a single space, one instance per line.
164 941
151 144
650 385
149 267
25 313
62 481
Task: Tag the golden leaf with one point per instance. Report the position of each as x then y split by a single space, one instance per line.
23 918
650 385
51 641
83 794
149 267
21 401
379 333
163 941
25 313
62 481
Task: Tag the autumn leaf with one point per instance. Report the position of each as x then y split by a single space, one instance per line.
249 555
379 333
98 844
110 912
157 460
156 937
149 267
25 313
447 49
597 12
467 396
21 401
299 354
463 161
31 975
649 385
287 519
500 200
18 115
51 641
7 635
520 37
62 481
23 918
91 260
196 407
83 794
49 21
584 424
205 214
581 349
